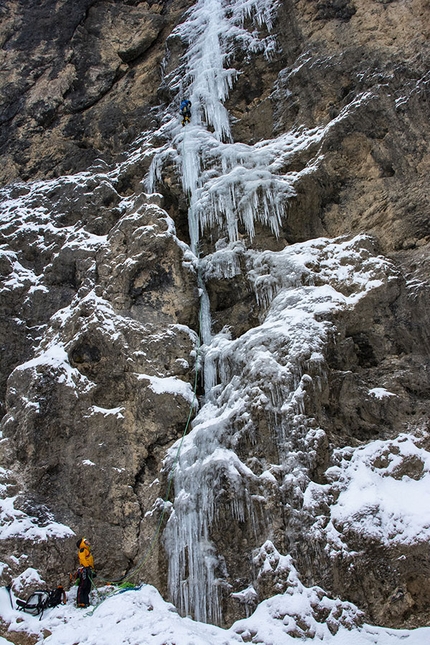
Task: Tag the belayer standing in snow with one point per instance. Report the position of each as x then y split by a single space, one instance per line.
85 572
185 110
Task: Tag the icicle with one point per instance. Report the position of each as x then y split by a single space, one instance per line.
225 183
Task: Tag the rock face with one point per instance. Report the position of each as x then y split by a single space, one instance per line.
316 363
79 82
90 429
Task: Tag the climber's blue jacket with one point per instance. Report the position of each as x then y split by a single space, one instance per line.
185 105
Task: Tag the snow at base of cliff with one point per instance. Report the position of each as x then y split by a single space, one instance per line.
142 617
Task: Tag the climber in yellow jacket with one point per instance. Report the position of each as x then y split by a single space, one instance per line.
84 554
85 573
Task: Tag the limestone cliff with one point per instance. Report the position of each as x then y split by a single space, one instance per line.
263 270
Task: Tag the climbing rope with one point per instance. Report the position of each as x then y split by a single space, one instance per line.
169 482
122 583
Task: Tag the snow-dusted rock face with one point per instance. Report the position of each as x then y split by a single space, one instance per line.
80 80
85 411
262 271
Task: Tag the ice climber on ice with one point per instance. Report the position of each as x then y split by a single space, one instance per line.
185 110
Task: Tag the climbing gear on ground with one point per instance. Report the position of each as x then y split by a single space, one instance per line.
42 599
57 597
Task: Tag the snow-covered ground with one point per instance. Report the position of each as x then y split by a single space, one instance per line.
141 617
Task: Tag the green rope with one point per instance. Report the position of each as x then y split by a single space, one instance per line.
169 482
122 582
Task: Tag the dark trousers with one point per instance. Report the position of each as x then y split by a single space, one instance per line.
84 588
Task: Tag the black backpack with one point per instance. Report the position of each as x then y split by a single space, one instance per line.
40 600
56 597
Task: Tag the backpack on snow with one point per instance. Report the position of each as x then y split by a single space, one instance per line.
40 600
56 597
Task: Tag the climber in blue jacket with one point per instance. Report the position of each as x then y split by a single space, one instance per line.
185 110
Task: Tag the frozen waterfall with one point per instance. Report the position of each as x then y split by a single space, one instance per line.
227 184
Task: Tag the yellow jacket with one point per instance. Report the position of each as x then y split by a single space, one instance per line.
84 554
